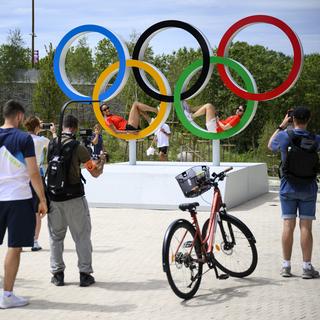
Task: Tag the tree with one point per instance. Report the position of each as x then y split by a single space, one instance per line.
106 54
47 97
13 56
79 62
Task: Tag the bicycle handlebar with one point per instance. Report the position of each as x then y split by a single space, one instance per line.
227 170
220 176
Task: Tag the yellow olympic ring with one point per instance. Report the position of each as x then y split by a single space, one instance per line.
164 109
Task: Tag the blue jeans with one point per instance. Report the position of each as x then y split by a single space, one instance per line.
303 202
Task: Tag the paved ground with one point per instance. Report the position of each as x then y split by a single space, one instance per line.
131 284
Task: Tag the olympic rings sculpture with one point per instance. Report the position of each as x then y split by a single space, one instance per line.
164 93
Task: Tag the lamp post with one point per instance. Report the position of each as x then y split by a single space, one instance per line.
32 36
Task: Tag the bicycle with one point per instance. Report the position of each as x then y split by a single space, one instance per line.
225 242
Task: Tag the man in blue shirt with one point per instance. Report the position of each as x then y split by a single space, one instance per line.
18 166
296 196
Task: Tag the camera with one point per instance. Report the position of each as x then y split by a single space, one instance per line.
45 126
290 115
85 136
85 132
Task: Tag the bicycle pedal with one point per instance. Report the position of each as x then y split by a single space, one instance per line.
223 276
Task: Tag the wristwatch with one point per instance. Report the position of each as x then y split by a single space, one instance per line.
280 128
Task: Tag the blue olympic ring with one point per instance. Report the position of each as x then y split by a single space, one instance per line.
61 53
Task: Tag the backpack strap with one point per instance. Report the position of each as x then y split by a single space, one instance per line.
52 149
291 135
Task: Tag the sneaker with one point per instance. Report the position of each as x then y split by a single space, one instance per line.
58 279
36 246
86 279
186 110
186 106
310 273
12 302
286 272
188 116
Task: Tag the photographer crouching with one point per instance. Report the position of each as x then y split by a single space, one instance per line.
69 207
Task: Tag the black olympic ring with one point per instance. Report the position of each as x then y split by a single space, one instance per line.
147 35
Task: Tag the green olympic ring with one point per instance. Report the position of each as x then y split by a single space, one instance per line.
251 106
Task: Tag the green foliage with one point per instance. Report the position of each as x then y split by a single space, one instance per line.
47 97
269 69
79 63
13 56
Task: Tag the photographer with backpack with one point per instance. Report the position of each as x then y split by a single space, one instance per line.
69 207
298 189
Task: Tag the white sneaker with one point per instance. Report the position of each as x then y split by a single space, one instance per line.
186 106
12 302
36 246
186 111
188 115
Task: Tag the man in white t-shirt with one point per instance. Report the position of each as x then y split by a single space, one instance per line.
17 167
162 136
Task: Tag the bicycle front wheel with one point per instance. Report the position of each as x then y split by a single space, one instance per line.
181 259
234 246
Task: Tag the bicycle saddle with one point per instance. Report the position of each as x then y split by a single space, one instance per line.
188 206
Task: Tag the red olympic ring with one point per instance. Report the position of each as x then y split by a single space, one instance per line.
293 76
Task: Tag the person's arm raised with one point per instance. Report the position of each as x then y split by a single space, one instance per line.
282 126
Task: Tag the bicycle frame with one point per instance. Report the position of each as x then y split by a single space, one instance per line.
214 216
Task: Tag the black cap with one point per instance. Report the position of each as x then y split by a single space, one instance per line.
301 113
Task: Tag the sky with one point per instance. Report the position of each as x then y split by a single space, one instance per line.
53 19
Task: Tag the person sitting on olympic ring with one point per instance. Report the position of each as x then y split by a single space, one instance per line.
119 124
213 123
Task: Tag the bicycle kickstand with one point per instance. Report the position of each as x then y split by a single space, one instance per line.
222 276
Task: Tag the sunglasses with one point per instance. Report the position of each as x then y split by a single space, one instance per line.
241 110
105 109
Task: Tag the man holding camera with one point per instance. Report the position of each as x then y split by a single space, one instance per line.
97 141
298 188
70 209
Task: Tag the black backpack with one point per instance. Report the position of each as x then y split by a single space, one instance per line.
59 162
302 162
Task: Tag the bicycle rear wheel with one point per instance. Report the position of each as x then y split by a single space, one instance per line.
234 246
181 254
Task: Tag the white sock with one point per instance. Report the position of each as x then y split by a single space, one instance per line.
307 265
7 293
286 263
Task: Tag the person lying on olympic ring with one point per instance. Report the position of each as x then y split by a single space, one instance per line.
213 123
119 124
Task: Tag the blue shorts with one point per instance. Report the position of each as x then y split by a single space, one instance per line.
19 217
305 203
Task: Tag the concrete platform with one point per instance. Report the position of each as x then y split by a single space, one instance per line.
152 185
130 283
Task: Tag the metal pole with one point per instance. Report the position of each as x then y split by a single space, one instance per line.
32 36
132 152
63 109
216 152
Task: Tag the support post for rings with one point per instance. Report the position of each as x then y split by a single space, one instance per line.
132 152
216 152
